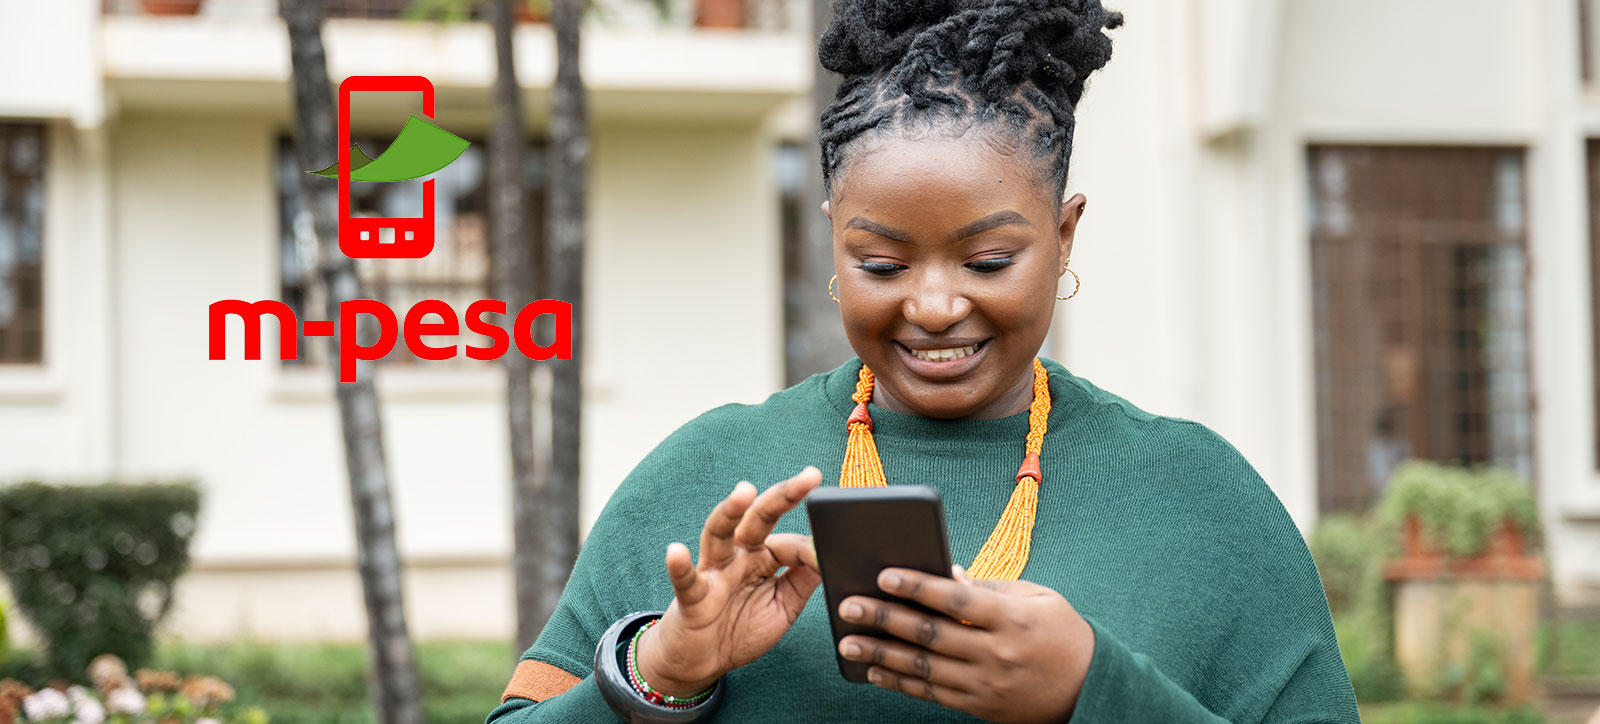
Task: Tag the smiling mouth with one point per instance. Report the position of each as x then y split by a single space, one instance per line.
947 354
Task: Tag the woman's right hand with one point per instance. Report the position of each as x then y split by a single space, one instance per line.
730 608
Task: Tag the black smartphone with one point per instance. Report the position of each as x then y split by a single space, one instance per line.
859 532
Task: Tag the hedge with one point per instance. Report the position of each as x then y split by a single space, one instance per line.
93 567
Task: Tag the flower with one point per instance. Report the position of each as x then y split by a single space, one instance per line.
125 700
207 690
46 704
89 710
107 672
151 680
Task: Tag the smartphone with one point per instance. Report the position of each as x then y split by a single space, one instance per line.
858 532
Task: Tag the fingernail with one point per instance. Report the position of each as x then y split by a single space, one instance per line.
852 650
874 676
891 581
852 610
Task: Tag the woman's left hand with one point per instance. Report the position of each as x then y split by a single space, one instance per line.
1021 658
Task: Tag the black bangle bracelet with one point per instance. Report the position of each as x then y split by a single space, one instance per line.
619 692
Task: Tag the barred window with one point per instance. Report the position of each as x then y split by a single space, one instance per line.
456 271
1419 299
22 162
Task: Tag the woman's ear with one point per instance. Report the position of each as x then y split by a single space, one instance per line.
1071 212
827 210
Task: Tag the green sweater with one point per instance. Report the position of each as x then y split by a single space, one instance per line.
1205 603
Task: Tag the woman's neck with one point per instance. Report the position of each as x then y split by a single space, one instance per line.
1015 400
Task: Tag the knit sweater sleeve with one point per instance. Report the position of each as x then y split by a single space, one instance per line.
1261 619
620 569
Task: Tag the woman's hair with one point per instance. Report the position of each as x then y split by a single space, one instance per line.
909 65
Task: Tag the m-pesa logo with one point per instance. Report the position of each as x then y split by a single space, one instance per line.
421 149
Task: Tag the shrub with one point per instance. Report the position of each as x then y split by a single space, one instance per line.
1458 508
1349 556
93 567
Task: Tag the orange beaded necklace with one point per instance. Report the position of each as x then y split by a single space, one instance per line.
1005 554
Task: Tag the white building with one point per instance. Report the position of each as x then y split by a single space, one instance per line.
1245 159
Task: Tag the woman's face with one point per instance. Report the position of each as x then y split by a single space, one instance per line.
948 254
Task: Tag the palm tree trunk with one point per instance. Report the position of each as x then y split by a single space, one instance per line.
814 341
516 275
569 154
394 688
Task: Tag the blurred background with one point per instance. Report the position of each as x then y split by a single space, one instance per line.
1345 234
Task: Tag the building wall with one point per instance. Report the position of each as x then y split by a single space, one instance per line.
1194 256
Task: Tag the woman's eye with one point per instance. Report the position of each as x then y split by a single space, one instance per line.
881 268
990 265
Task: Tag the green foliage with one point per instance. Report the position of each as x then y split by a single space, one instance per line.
1458 508
1364 644
1570 646
93 567
1433 713
1349 551
326 683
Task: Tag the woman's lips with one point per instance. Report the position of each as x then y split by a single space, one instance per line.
946 363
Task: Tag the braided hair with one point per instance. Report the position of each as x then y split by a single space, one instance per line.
910 65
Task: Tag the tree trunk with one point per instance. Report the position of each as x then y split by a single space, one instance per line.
515 280
569 154
814 339
395 687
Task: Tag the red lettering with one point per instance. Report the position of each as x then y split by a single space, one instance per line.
350 347
475 322
415 328
562 347
251 313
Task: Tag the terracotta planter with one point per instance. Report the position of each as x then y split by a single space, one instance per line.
1505 559
170 7
720 13
1441 602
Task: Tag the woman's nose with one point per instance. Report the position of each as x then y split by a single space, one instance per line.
936 307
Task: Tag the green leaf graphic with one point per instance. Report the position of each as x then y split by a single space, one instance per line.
421 149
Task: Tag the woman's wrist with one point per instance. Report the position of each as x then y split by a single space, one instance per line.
623 690
658 676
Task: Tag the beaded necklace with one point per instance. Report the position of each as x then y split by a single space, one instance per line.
1005 554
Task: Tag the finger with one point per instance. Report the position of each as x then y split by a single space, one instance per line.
795 585
932 632
973 601
913 661
960 574
763 514
920 688
687 584
793 550
716 539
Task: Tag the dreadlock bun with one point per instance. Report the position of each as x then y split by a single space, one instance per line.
1020 61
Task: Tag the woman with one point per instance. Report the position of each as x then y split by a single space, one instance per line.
1133 568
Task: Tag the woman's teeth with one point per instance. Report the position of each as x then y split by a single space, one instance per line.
944 355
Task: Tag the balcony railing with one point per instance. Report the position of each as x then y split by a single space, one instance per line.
775 15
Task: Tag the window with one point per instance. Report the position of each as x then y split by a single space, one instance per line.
457 271
22 164
1419 301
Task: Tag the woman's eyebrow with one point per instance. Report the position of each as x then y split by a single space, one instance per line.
873 227
992 221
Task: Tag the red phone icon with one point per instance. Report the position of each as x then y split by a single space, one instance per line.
382 237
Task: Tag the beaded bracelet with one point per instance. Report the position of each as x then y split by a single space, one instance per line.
651 695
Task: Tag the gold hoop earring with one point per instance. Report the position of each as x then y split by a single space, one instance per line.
830 288
1076 282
